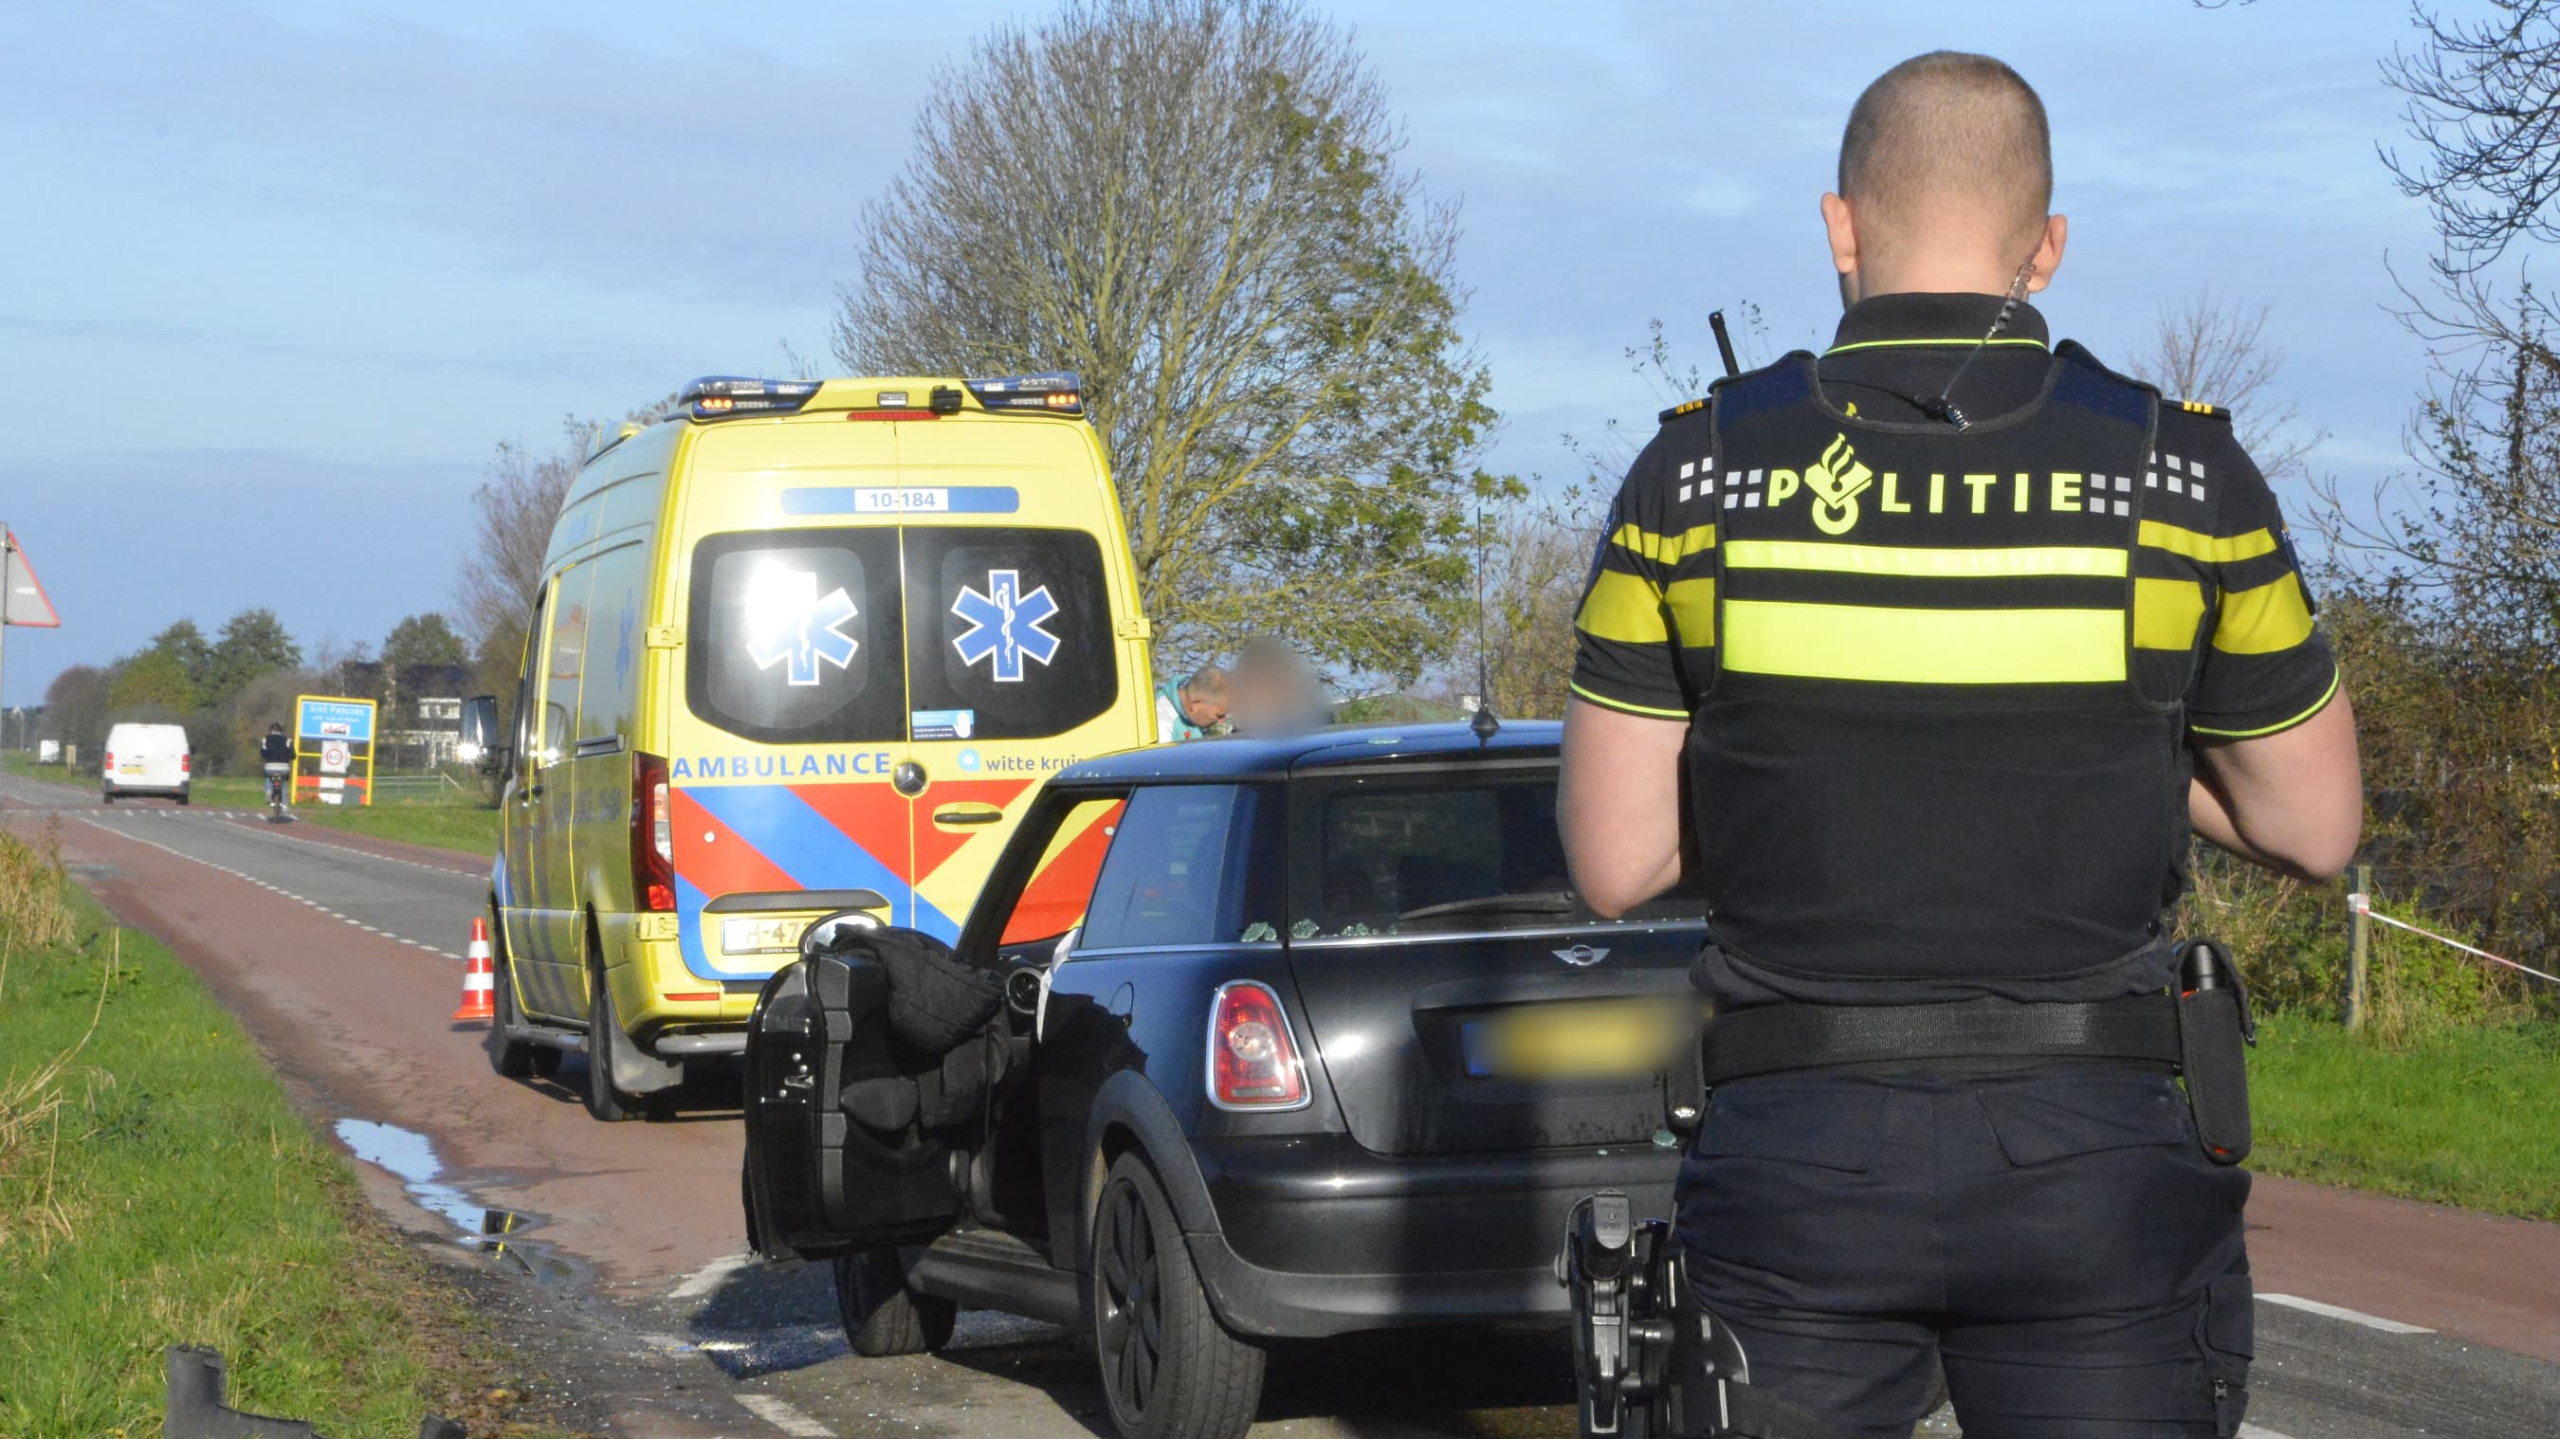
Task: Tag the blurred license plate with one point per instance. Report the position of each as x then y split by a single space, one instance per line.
129 769
763 936
1595 1040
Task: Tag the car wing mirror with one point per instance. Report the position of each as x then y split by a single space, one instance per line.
479 740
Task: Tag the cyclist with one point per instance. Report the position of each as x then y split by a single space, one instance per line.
275 754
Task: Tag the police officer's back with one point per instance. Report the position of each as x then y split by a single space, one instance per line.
1947 643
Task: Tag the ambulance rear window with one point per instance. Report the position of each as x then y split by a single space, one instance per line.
794 636
1010 626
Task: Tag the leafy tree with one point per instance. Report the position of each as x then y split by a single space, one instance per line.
1197 205
75 706
252 643
186 644
423 640
153 679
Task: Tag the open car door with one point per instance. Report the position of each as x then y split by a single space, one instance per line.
836 1161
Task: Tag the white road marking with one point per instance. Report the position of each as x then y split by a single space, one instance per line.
2352 1316
784 1417
249 819
2253 1431
125 834
702 1281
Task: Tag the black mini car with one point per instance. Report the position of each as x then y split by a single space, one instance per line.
1302 1037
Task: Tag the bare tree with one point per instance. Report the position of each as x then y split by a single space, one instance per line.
1196 205
2484 109
501 570
2216 349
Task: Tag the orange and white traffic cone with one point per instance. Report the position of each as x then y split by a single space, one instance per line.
479 980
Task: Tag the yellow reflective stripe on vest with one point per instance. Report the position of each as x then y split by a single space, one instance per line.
1693 609
1931 563
1665 549
2263 620
1903 646
2165 613
2197 546
1622 607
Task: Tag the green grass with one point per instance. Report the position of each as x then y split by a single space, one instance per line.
161 1191
469 827
455 822
2452 1114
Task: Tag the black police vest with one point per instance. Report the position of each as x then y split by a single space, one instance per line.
1923 766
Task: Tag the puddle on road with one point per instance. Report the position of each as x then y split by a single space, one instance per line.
410 1157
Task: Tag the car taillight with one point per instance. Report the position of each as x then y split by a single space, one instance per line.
1253 1060
109 762
653 854
186 764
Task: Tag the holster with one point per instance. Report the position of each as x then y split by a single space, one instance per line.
2215 1032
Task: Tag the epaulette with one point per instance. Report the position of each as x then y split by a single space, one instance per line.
2210 412
1685 407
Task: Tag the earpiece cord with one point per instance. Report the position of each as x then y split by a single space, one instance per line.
1944 408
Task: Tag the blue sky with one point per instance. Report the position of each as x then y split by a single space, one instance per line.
277 276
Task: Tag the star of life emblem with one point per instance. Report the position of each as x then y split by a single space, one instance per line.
789 623
1004 625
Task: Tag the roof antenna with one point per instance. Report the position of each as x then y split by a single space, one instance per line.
1485 722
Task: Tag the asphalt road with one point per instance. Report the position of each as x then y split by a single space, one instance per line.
622 1275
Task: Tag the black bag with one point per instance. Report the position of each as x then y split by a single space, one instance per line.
936 1003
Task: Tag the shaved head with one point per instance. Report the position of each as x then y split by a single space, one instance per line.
1947 149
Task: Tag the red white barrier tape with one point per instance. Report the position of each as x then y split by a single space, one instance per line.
2363 904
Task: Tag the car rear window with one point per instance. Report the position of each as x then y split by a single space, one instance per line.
1181 872
1011 627
1472 851
795 636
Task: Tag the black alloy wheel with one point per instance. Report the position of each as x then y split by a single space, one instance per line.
1170 1369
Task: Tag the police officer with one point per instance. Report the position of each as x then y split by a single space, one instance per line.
1928 654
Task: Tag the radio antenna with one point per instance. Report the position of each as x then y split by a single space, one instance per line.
1724 344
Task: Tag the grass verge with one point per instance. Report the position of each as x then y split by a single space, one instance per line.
470 828
2443 1115
156 1188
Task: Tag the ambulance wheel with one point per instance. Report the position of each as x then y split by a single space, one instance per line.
882 1316
603 1100
1169 1368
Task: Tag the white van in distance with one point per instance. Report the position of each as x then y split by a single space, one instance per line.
146 759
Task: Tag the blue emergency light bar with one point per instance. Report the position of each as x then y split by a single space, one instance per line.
1059 392
718 396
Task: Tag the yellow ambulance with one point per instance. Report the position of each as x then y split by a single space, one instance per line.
802 646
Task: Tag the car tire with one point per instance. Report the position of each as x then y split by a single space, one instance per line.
603 1100
882 1316
1170 1370
106 796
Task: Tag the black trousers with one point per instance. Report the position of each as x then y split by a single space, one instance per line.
2054 1236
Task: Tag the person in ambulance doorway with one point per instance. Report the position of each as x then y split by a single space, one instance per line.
1926 655
1191 708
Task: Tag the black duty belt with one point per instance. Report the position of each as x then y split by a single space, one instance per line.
1772 1039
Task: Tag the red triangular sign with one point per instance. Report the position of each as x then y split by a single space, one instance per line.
22 600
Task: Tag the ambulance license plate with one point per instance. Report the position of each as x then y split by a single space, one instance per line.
763 934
